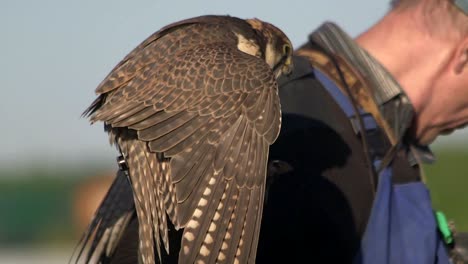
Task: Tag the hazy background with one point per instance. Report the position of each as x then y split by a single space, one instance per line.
53 53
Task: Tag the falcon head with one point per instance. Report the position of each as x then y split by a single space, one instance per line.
276 46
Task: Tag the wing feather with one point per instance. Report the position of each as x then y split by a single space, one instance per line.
252 226
228 156
220 225
118 202
109 112
166 141
132 117
200 172
198 116
173 145
200 229
166 126
155 118
234 232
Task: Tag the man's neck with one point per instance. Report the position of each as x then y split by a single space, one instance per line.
409 53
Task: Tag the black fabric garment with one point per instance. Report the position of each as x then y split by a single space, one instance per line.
319 210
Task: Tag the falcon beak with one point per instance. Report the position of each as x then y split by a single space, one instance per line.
284 67
288 67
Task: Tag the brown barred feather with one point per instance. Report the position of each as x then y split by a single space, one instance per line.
193 110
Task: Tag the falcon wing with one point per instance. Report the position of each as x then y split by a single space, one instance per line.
194 123
108 223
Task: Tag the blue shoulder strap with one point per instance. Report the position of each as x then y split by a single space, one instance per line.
345 104
402 227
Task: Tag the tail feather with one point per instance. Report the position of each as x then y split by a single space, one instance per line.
117 203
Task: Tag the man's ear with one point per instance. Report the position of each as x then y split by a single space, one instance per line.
461 57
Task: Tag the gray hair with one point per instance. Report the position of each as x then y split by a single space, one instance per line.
438 11
402 3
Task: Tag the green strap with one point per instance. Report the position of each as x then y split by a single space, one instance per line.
444 227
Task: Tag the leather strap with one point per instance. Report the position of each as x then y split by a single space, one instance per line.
357 85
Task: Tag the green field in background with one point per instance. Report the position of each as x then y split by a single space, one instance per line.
448 181
35 204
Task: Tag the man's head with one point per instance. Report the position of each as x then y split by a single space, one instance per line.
424 44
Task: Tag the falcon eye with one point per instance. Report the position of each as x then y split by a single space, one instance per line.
286 49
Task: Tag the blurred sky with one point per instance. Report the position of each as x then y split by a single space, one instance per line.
53 53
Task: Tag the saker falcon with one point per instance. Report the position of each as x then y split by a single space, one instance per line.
193 110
